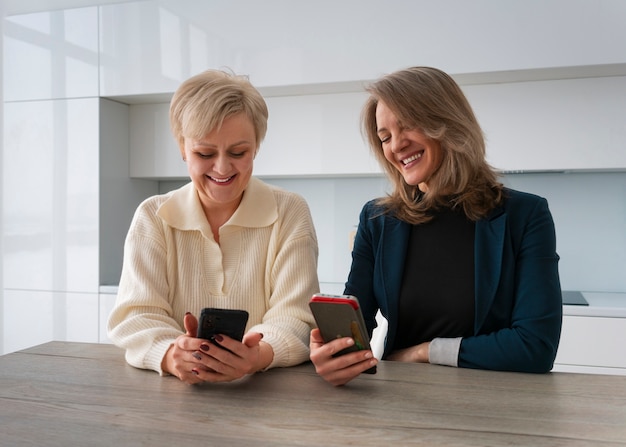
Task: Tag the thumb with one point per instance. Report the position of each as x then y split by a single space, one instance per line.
252 339
191 324
316 337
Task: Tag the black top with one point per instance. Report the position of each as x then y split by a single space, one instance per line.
437 292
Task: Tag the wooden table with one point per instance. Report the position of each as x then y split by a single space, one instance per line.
86 395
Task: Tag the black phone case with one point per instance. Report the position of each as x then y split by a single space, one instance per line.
337 320
222 321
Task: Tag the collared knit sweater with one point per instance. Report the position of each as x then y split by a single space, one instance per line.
265 263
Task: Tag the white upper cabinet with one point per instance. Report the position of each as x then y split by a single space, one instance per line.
558 125
315 135
307 135
566 124
52 55
149 47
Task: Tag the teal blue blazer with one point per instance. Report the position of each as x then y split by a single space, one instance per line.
518 302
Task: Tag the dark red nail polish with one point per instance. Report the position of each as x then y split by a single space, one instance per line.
204 347
218 338
197 356
187 313
195 371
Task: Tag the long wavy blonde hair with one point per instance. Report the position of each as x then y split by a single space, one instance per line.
430 100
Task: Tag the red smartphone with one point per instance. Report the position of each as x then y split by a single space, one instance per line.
339 316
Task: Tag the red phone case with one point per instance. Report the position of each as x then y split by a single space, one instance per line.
336 299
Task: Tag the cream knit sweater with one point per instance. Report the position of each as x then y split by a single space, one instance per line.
265 263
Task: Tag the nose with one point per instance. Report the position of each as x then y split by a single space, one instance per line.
222 164
398 142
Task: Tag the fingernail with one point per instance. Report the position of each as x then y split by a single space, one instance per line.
349 342
218 338
204 347
195 371
197 356
368 355
261 335
187 313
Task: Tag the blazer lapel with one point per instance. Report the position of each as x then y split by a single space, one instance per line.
393 252
489 246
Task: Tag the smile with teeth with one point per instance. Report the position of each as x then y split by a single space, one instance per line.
413 157
221 180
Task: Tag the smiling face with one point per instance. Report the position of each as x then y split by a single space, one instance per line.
220 164
412 153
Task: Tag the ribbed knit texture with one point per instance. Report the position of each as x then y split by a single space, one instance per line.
266 263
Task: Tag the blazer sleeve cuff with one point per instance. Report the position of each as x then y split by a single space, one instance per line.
444 351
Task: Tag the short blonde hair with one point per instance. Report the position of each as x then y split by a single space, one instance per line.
202 102
430 100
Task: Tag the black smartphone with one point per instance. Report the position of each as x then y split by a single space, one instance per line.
339 316
215 321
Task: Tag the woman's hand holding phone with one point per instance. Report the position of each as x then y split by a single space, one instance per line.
339 370
340 348
194 360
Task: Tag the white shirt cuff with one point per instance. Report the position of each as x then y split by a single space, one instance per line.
444 351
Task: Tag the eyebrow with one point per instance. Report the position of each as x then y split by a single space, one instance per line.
211 145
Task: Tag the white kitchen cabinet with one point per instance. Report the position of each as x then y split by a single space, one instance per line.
561 124
50 195
52 54
149 47
592 344
547 125
307 135
592 338
315 135
67 204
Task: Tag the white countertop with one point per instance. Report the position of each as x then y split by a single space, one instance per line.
601 304
109 290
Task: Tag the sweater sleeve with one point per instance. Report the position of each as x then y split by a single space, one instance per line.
141 321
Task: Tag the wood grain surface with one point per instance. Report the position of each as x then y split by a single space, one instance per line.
86 395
